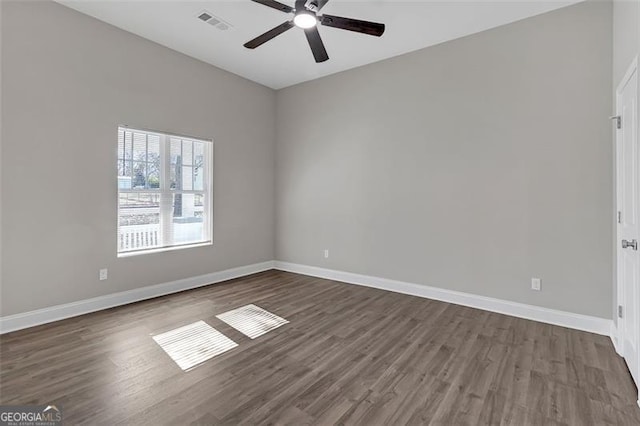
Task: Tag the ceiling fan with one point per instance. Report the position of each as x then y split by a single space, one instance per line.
306 17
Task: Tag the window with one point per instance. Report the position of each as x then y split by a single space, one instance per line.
164 191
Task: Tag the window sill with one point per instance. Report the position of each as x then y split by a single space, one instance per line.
164 249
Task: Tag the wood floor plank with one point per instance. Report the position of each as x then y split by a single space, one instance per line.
349 355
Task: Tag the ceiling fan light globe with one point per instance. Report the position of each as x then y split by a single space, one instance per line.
305 20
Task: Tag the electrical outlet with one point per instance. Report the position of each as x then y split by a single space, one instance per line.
536 284
103 274
326 253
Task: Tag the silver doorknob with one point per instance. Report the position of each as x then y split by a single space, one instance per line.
633 244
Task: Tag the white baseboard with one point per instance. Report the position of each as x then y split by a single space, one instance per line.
565 319
614 337
591 324
55 313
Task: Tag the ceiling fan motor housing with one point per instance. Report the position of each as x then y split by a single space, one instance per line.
312 5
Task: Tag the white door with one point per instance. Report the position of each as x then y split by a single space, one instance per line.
628 195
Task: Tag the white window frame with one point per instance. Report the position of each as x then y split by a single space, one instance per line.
166 194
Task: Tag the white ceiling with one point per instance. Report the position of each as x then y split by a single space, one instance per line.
287 60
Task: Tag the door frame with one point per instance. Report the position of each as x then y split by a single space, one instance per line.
619 335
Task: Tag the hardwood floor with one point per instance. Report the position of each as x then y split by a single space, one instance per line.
349 355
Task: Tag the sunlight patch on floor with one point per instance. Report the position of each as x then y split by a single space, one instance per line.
252 320
193 344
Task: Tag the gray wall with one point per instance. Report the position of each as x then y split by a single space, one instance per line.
473 165
68 81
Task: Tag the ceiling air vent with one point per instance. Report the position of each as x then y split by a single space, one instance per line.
214 21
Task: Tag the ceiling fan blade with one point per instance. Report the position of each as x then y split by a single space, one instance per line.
263 38
315 42
276 5
365 27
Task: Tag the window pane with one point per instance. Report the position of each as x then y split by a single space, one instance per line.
198 179
121 167
138 221
124 174
176 150
153 161
153 165
153 181
198 153
128 145
187 152
121 151
139 147
139 175
172 177
175 177
188 220
187 178
153 147
198 166
175 173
